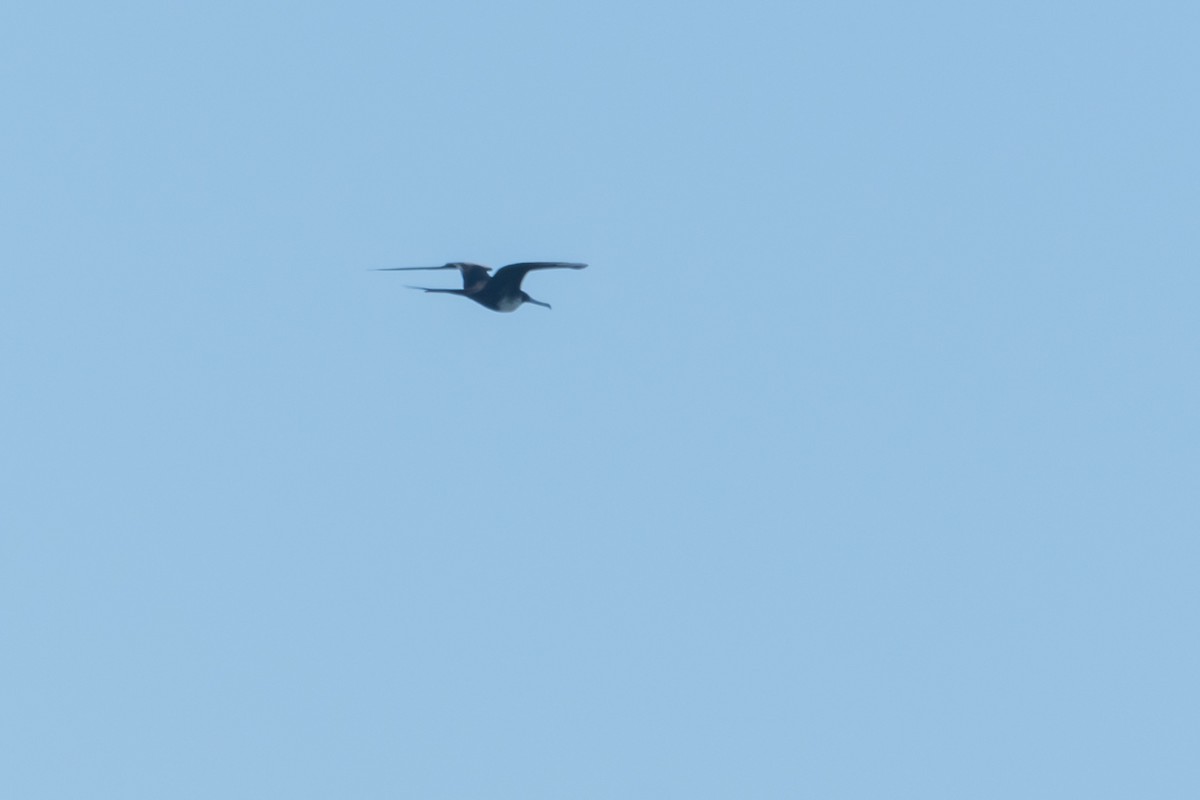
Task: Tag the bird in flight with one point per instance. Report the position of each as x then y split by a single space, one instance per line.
499 292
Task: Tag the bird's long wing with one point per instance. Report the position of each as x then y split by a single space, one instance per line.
439 291
474 275
525 266
510 276
407 269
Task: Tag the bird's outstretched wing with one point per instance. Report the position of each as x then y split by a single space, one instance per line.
439 291
525 266
474 275
510 276
409 269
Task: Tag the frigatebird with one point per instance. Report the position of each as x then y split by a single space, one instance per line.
499 292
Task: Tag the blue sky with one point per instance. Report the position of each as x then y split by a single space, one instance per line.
861 462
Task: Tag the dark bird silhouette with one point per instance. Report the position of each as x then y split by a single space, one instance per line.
499 292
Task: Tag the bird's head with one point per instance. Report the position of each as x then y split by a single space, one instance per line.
527 299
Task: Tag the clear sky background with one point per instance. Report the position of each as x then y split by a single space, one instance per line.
860 463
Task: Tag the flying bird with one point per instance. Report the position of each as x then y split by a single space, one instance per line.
499 292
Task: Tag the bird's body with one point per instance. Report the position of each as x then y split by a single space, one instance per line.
499 292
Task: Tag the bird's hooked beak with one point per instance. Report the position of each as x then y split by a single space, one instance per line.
529 299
